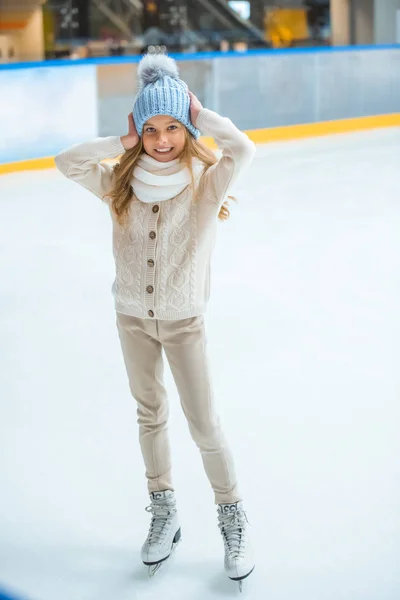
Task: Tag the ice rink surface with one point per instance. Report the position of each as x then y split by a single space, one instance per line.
304 339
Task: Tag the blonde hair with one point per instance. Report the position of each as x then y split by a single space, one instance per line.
122 194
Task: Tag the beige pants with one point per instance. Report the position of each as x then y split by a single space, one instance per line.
184 343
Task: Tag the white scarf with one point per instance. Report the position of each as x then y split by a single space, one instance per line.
155 181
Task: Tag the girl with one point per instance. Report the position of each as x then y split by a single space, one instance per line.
165 196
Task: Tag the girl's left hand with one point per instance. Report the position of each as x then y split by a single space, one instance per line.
195 107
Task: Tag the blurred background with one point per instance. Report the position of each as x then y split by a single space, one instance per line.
46 29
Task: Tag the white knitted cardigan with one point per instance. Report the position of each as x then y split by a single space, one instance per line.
162 254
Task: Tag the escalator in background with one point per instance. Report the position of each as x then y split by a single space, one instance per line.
219 20
197 24
103 27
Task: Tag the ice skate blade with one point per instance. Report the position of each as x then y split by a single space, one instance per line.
240 580
153 568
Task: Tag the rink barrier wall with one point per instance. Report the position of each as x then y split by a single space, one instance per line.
259 136
273 94
101 60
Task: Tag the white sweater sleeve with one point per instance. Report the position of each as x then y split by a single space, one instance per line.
81 163
237 152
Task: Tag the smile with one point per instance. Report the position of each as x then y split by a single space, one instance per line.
163 150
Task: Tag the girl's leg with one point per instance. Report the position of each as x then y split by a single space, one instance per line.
184 343
143 360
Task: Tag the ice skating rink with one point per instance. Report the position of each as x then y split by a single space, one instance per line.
304 340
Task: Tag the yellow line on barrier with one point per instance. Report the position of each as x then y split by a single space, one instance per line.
294 132
259 136
27 165
322 128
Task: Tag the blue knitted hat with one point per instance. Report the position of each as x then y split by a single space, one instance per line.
161 92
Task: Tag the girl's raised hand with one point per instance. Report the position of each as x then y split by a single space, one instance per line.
195 107
131 139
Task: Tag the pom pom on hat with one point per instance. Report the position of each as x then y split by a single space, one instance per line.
156 66
161 92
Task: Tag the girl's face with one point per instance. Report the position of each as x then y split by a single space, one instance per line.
164 138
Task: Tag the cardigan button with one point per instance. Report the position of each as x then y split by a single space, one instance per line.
150 262
152 235
156 208
149 289
150 313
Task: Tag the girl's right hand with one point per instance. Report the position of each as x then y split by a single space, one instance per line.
130 140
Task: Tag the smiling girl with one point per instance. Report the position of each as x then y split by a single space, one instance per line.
165 196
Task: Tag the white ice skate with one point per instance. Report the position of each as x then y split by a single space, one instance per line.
164 532
239 561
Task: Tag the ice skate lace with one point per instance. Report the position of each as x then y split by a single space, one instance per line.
232 528
158 526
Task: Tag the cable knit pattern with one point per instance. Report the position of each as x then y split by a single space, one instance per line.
163 252
162 255
179 261
128 251
194 259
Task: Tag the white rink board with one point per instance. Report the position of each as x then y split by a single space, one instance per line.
43 110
